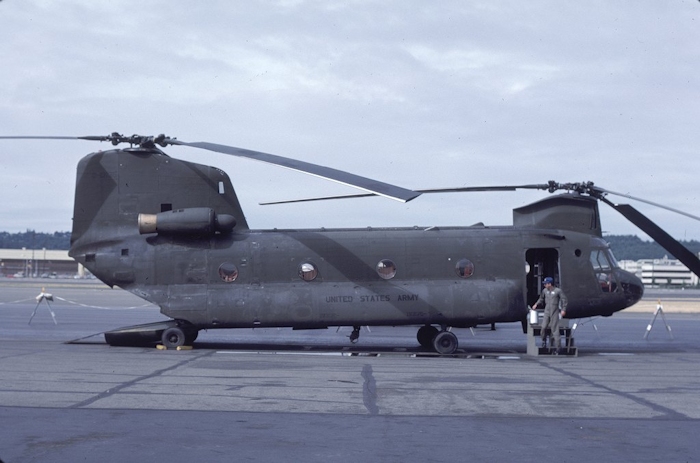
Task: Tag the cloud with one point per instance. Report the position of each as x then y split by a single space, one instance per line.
418 94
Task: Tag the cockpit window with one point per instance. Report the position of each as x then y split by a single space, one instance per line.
599 259
603 263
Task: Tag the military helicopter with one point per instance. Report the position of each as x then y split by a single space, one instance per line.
173 233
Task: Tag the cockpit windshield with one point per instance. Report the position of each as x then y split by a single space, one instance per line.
600 260
603 263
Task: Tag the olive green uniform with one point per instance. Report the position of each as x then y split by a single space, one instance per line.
553 299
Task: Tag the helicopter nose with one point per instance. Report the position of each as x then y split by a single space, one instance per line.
632 287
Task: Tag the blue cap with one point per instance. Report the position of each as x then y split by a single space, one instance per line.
549 280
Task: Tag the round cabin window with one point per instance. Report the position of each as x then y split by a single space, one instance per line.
308 271
464 268
228 272
386 268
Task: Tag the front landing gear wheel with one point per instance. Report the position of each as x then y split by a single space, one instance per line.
445 343
425 336
173 337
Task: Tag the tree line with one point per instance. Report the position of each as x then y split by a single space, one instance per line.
625 247
31 239
631 247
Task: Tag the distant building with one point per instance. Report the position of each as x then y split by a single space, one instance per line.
37 263
661 272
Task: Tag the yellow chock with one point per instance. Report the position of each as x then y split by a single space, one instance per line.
161 347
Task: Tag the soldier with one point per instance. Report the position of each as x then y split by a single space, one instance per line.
552 297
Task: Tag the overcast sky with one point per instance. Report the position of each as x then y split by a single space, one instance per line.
418 94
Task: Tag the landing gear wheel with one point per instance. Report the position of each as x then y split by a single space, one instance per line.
445 343
190 337
425 336
173 337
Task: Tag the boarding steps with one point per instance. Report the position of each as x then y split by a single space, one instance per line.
534 340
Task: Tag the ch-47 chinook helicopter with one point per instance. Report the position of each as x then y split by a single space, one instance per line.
173 232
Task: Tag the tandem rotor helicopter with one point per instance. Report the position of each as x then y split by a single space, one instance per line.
173 233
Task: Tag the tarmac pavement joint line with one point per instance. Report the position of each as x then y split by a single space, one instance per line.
116 389
669 413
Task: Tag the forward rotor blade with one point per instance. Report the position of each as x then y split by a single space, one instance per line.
468 189
363 183
679 251
649 202
434 190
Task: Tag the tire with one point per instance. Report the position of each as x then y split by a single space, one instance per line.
445 343
191 336
173 337
425 336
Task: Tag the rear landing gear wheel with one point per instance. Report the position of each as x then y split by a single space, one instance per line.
425 336
173 337
190 337
445 343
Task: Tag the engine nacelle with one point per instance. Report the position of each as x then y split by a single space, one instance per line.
190 221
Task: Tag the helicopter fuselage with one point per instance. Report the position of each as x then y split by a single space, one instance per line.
453 276
173 233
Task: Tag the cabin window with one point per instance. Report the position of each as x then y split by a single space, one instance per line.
465 268
228 272
308 271
386 268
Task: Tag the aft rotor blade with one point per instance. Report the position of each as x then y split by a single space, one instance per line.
51 137
679 251
434 190
363 183
346 178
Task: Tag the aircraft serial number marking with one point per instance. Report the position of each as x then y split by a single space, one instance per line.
372 298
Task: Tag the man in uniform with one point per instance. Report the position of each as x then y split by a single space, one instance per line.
553 298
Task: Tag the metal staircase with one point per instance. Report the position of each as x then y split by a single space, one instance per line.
534 339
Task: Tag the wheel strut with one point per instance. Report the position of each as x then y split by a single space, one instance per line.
355 335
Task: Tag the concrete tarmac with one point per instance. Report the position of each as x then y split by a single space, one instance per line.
272 395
